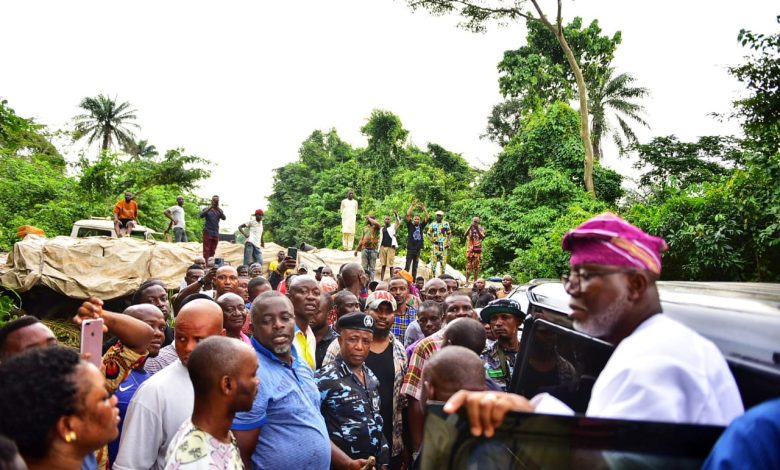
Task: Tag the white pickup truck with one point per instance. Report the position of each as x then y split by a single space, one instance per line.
104 227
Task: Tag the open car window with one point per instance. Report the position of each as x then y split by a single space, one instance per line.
562 362
534 441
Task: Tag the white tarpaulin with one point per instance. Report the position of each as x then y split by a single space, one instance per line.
114 267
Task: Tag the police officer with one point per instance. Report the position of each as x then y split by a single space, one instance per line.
350 393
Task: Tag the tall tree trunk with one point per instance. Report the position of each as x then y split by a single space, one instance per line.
597 132
582 91
106 138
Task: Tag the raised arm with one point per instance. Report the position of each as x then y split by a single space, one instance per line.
133 333
425 212
409 211
397 219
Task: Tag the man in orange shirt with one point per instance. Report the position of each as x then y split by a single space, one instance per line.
125 213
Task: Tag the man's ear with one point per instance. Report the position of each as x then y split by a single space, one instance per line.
638 283
429 391
226 385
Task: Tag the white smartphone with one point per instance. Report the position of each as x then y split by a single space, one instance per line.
92 340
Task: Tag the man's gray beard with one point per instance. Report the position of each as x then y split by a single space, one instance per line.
282 349
601 325
382 333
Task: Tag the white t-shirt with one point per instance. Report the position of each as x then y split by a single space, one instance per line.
177 212
194 449
154 415
663 371
255 232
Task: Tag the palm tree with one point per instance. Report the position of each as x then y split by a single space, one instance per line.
142 149
617 94
106 121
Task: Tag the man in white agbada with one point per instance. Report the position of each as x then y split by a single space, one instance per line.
660 370
349 208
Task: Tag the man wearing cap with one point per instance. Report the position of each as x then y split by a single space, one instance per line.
387 360
660 370
349 393
254 239
439 233
504 317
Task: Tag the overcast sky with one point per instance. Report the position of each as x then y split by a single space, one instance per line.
243 83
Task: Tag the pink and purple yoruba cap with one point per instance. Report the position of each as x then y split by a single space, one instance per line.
607 239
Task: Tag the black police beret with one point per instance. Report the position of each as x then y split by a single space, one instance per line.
356 321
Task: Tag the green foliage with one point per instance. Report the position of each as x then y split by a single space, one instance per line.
35 190
549 138
670 162
539 74
107 122
386 176
760 110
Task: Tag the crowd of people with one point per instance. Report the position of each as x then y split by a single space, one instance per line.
247 368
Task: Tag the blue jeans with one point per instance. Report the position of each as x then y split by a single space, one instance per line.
369 262
252 254
179 235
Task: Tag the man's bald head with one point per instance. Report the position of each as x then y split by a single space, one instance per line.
465 332
214 358
351 274
197 320
452 369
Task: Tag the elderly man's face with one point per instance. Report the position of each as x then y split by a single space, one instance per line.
598 303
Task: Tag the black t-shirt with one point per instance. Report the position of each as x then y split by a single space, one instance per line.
383 367
386 240
414 240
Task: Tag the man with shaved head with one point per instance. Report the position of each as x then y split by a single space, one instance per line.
165 401
224 378
354 279
451 369
455 306
112 366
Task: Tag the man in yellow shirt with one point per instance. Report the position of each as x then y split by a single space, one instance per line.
125 214
304 293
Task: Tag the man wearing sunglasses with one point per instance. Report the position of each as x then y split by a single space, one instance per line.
660 370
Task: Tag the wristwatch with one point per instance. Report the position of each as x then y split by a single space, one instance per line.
201 281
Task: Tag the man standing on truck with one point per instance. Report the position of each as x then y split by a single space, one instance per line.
176 215
212 214
125 214
349 208
254 239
